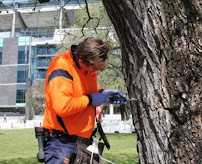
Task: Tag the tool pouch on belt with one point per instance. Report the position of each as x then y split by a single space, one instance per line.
83 156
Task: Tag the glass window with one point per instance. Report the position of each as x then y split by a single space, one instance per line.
1 42
28 33
0 58
22 76
42 74
43 62
20 96
23 56
23 41
51 50
34 34
41 51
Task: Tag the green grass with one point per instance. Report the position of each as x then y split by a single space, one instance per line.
20 147
123 149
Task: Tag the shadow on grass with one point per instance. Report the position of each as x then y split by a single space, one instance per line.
32 160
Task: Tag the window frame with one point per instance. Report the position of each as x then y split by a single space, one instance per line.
23 78
21 98
21 55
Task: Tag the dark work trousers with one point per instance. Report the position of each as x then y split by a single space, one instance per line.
58 150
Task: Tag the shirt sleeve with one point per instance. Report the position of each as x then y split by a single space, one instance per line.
60 90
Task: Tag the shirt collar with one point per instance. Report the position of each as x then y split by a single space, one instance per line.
73 49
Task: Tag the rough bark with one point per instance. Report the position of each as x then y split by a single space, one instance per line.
161 47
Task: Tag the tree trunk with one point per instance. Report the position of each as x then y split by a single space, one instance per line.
161 47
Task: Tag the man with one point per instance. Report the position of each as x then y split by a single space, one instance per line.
71 97
5 119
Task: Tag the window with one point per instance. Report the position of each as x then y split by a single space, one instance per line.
22 76
28 33
46 50
41 51
24 41
20 96
51 50
0 58
23 55
42 74
43 62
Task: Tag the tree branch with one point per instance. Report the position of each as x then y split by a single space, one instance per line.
88 20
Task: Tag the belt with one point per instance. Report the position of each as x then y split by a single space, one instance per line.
84 141
61 134
70 138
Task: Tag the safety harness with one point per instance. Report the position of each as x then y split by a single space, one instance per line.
82 154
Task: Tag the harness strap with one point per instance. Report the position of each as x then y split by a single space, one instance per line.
102 135
62 124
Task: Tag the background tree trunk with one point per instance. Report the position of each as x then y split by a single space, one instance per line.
161 47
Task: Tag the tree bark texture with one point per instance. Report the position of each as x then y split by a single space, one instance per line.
161 47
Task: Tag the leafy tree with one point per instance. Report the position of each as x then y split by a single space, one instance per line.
161 48
35 99
93 17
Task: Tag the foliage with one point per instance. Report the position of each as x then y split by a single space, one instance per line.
89 21
101 27
35 97
112 77
20 147
102 30
94 17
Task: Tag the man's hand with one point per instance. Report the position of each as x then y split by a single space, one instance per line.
115 93
97 98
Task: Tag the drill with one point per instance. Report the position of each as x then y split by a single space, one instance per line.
117 97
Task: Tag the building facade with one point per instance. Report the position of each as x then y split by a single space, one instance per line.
27 45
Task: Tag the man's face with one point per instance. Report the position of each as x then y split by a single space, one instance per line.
98 66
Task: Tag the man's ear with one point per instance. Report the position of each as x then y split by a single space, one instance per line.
80 61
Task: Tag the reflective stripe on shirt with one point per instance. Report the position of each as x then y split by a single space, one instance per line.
59 72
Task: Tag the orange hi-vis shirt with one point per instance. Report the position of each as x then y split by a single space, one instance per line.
66 88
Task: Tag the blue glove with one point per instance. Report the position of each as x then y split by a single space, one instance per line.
110 93
97 98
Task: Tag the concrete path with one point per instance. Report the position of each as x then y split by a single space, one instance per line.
108 125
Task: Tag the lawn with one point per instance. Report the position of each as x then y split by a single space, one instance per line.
20 147
123 149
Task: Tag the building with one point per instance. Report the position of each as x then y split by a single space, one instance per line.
28 42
